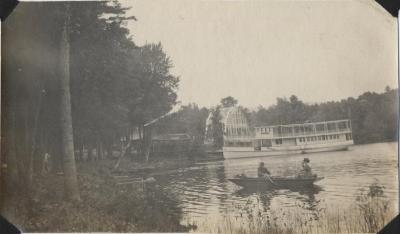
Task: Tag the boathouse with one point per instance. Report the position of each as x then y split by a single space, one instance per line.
169 144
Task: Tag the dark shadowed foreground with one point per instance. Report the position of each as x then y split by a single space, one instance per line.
106 205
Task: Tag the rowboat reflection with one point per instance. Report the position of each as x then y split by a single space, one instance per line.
305 195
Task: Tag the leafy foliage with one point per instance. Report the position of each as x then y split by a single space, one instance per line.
373 116
228 102
115 85
217 128
189 119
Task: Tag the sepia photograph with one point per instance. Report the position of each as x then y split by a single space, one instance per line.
207 116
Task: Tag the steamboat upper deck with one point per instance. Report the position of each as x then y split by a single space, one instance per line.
303 130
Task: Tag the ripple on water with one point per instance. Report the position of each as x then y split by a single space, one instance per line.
203 189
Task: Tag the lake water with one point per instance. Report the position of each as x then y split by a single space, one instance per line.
205 194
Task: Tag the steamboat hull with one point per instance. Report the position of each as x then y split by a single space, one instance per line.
246 152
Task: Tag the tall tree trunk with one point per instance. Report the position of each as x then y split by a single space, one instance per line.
81 156
70 177
33 141
147 136
27 156
99 151
10 144
90 152
141 140
109 150
18 147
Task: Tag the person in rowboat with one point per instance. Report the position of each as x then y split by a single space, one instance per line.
306 168
262 171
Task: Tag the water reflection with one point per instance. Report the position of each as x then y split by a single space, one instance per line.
264 197
305 195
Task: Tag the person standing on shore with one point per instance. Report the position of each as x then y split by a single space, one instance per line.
46 163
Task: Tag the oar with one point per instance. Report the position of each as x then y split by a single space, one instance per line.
269 178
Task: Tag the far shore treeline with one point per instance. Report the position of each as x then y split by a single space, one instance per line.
373 115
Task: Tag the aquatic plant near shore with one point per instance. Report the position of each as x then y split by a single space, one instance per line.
372 205
370 212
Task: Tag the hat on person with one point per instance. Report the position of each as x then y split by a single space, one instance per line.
306 160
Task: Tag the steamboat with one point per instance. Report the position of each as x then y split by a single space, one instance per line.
241 140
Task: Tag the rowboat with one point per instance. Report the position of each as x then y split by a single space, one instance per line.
275 182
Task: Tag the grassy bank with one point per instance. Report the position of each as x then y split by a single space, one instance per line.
105 206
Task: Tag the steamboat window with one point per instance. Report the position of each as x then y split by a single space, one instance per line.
265 143
320 127
278 141
276 130
308 128
342 125
331 126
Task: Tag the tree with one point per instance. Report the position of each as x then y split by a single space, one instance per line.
189 119
102 82
70 177
157 87
373 116
97 48
217 128
228 102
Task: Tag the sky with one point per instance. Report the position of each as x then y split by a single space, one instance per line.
257 51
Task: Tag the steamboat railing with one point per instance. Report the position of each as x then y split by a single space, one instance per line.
306 129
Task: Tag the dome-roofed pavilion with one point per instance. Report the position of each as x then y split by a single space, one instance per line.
236 127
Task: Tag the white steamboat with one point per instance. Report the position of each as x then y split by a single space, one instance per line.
240 140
